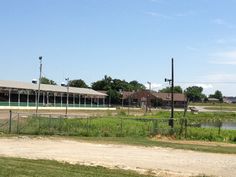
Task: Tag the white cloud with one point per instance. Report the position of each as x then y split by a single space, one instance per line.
192 48
223 62
224 58
155 14
230 54
158 1
221 77
185 14
205 86
221 22
172 16
155 86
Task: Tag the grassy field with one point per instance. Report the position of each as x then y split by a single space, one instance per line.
155 123
15 167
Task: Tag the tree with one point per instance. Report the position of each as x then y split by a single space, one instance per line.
194 93
78 83
113 87
135 85
104 84
177 89
218 95
45 80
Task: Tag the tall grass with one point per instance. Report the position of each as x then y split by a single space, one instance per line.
123 126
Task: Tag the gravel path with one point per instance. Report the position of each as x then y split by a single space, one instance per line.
162 161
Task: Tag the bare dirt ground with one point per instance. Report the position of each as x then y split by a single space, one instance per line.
159 161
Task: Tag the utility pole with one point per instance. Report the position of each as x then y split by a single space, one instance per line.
171 122
148 98
40 76
171 82
67 95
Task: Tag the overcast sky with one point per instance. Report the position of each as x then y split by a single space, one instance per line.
126 39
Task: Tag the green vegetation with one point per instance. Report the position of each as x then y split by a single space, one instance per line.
177 89
194 93
14 167
127 126
114 86
78 83
45 80
218 95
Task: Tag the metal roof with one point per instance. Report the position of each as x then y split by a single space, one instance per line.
48 88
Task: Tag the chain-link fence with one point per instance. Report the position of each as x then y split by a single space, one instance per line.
58 124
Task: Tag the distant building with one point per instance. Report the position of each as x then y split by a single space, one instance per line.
148 98
230 100
213 100
14 93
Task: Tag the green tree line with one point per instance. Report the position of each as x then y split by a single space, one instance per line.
115 87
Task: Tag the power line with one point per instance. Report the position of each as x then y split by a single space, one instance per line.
205 82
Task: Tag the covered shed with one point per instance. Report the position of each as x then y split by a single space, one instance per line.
15 93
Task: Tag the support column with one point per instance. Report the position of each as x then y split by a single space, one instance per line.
104 102
48 98
73 100
27 98
91 102
85 101
61 99
18 98
43 98
79 100
55 104
35 98
97 101
9 97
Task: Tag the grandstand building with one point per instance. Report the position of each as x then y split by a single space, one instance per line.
22 94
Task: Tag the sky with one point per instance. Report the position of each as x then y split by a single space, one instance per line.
124 39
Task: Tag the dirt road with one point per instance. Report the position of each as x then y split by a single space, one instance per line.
162 161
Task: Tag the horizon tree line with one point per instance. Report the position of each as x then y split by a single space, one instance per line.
115 87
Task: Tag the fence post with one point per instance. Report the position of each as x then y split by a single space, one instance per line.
181 127
121 126
49 126
87 126
39 124
220 125
186 125
154 127
10 119
18 121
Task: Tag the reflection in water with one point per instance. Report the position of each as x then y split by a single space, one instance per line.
225 125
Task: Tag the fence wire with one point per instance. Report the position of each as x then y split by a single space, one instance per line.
56 124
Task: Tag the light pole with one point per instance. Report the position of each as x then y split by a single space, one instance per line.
171 82
67 95
110 93
148 98
121 93
40 76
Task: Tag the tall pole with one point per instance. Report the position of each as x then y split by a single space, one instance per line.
67 95
109 97
40 76
172 94
149 94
